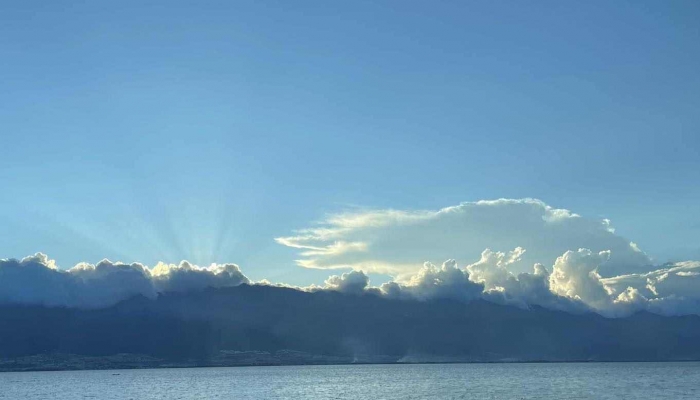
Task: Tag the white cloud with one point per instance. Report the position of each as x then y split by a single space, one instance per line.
398 242
574 284
187 277
36 280
354 282
493 270
432 282
592 268
575 275
673 289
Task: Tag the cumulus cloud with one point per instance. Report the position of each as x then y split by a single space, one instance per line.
574 284
673 289
397 241
489 278
37 280
575 275
501 284
187 277
431 282
592 268
354 282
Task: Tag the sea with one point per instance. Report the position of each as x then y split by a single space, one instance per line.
393 381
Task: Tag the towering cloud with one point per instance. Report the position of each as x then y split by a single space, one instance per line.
575 275
574 285
397 242
556 260
493 270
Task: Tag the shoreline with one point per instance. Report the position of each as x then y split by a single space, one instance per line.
65 362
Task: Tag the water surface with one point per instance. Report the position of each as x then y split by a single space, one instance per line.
443 381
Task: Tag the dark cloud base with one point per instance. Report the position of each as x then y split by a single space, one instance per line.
202 325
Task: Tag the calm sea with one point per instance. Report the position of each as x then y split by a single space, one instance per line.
436 381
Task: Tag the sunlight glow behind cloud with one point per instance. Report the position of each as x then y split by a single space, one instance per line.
541 256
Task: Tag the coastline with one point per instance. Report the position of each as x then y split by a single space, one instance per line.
227 359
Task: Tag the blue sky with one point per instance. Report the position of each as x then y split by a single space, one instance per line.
147 131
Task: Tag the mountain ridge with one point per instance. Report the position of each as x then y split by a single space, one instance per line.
201 327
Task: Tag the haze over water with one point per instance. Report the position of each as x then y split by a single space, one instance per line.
444 381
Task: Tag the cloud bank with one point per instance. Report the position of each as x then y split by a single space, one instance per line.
557 260
573 285
398 242
37 280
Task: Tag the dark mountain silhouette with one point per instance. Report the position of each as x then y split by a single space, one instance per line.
340 327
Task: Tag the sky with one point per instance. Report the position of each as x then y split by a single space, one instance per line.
213 131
